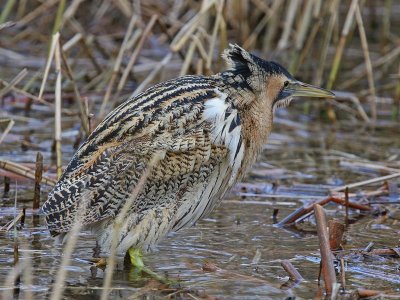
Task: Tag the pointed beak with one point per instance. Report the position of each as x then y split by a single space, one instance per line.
301 89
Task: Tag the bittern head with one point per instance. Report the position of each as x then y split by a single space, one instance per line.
268 80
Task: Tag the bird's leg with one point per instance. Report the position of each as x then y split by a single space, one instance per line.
135 256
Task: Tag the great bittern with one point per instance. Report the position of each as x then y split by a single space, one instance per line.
205 131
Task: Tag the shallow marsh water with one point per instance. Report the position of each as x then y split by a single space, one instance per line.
302 160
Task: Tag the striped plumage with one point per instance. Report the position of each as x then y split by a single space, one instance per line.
204 132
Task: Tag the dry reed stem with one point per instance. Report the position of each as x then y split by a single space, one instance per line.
36 12
188 29
24 171
353 98
119 222
72 42
368 165
84 120
252 39
343 38
117 66
13 82
220 5
33 97
136 53
272 26
290 16
200 47
6 25
57 112
365 182
303 27
6 10
364 45
124 6
7 130
328 270
59 16
13 222
188 59
333 7
84 41
53 46
71 10
152 74
358 74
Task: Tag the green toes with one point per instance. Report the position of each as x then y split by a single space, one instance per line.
135 256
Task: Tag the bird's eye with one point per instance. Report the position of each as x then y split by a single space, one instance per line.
286 83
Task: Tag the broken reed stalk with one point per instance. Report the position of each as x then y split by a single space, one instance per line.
294 275
57 112
336 231
328 270
24 171
368 64
38 180
119 222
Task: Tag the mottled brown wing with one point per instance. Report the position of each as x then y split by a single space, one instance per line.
103 172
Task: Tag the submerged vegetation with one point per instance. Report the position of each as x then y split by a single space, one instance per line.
329 164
